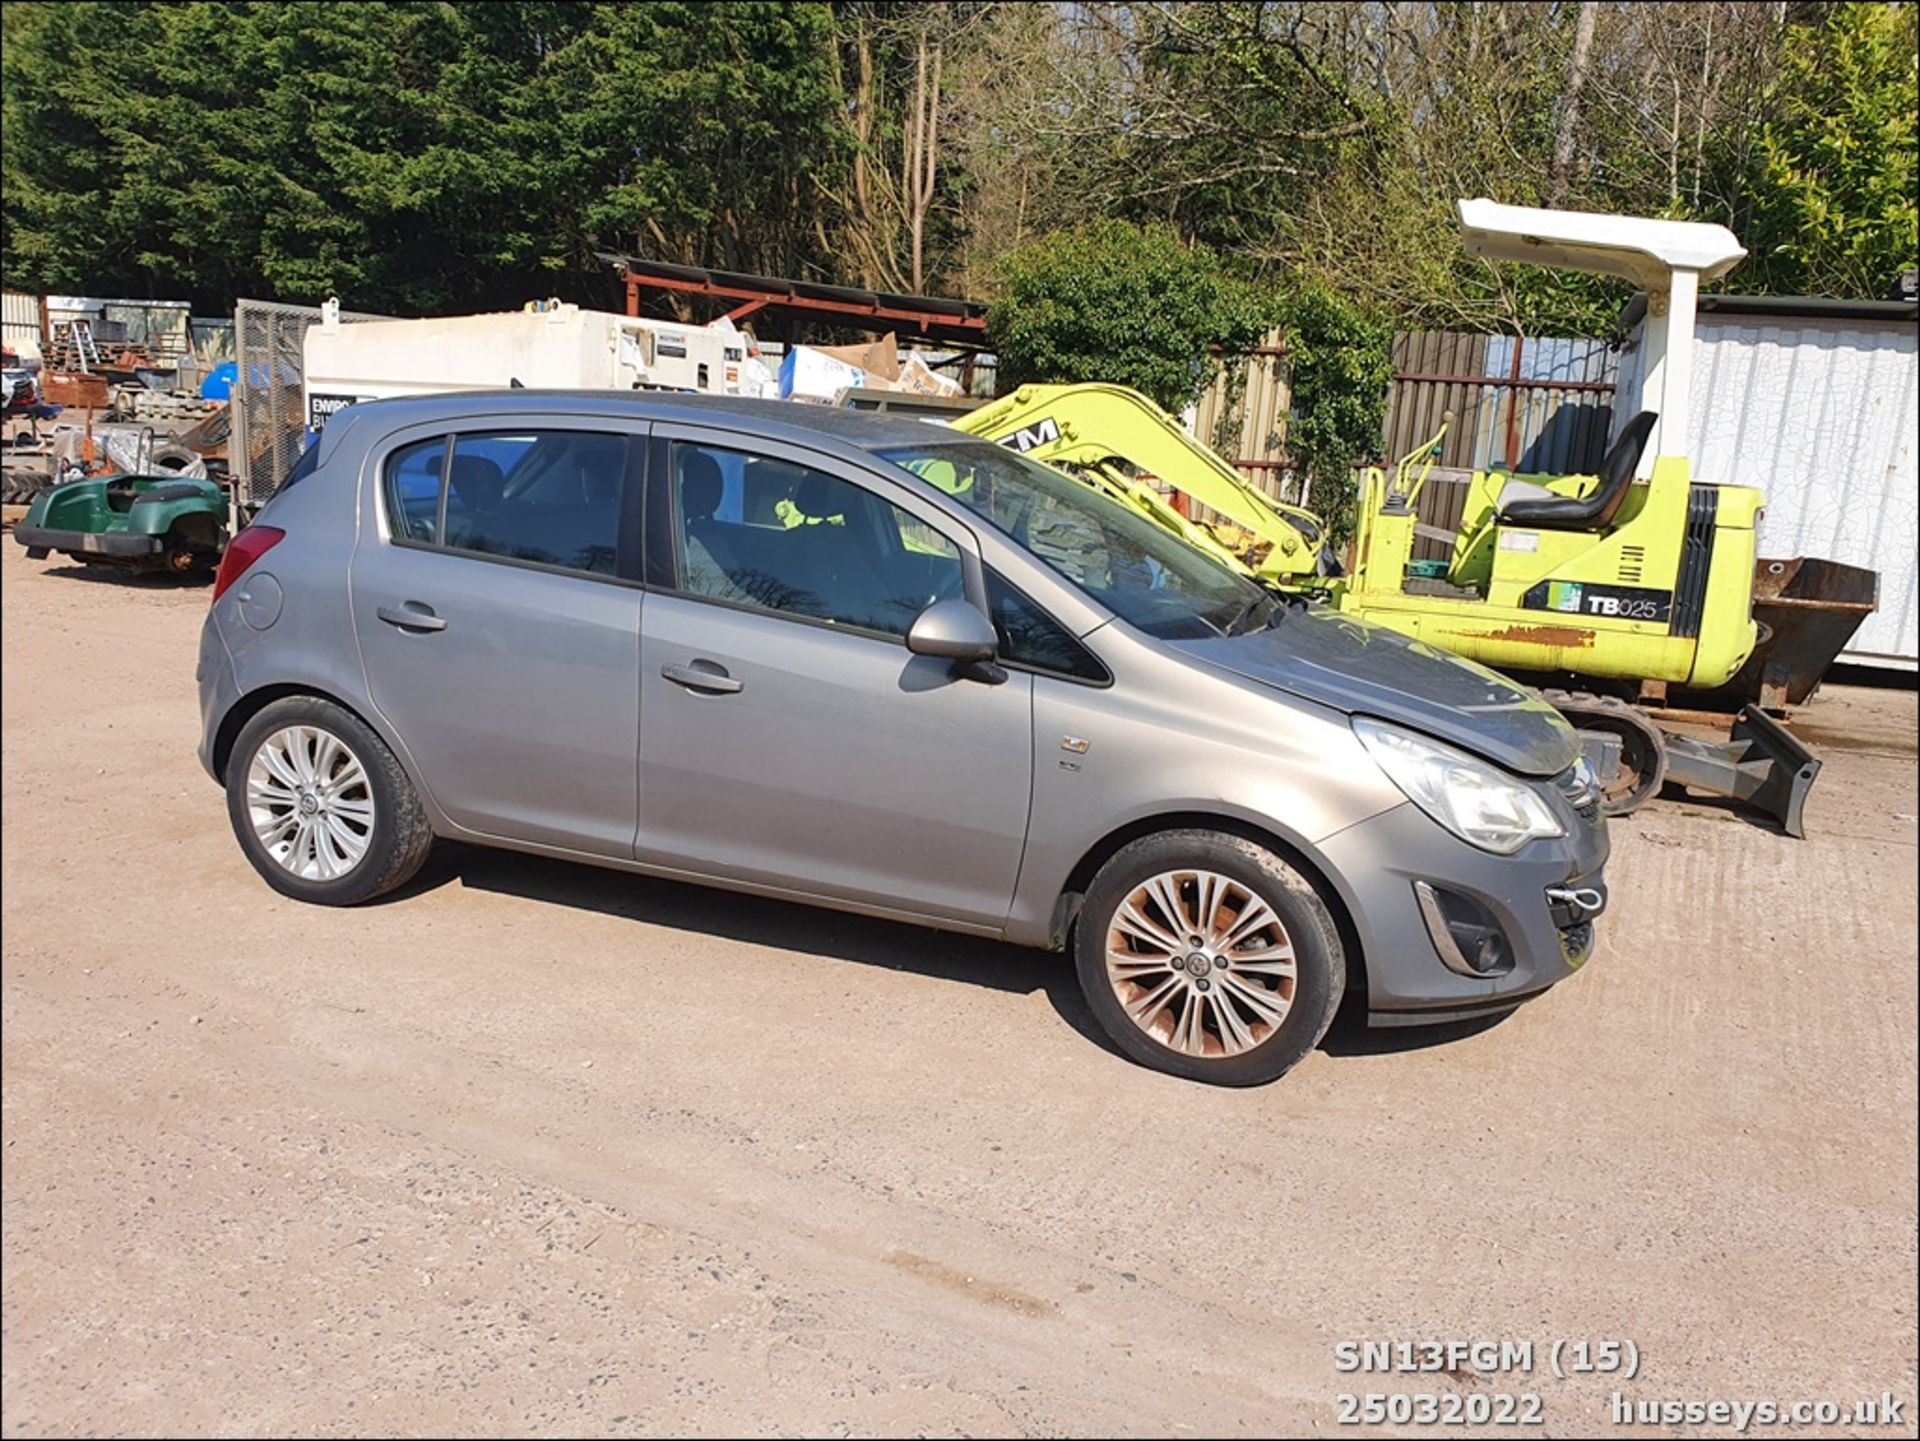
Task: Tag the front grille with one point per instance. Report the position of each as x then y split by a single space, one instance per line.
1696 560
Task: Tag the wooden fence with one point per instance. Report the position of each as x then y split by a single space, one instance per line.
1528 404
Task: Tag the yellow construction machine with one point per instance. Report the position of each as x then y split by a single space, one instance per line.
1581 584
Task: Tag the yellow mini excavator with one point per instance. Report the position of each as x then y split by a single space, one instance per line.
1599 582
1113 438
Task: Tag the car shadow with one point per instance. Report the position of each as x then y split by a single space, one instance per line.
760 921
198 578
842 935
1349 1035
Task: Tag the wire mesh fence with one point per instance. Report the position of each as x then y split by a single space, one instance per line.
269 406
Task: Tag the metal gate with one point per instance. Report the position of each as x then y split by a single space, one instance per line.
269 403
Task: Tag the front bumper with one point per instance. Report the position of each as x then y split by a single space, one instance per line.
116 545
1384 862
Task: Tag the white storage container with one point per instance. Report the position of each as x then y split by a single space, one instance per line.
549 346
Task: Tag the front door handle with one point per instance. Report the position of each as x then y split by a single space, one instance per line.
715 681
411 616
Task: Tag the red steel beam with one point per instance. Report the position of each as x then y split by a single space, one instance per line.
926 320
1524 383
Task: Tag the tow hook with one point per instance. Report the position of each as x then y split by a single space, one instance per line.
1583 903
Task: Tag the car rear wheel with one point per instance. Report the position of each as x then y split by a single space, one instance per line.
320 805
1210 957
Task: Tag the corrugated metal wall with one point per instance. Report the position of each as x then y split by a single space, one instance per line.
1820 415
1554 421
22 319
1243 418
1432 371
1564 405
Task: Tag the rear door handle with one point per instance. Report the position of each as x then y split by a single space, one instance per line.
715 681
411 616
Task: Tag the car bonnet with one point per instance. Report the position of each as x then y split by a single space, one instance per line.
1362 668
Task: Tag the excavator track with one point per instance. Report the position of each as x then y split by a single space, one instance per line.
1643 746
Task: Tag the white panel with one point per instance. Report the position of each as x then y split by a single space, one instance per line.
22 323
1821 416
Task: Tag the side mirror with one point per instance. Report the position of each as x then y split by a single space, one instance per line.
952 630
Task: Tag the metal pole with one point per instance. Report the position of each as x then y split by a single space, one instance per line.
1513 403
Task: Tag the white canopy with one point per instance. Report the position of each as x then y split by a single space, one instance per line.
1666 258
1644 251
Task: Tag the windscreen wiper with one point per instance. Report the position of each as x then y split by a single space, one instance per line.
1245 614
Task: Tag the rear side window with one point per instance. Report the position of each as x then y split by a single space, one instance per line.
549 497
1032 638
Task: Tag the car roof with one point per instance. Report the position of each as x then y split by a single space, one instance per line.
768 419
356 430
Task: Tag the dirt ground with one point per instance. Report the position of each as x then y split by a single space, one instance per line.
533 1148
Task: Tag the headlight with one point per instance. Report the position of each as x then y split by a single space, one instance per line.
1479 804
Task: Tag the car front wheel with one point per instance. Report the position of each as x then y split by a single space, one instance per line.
320 805
1208 956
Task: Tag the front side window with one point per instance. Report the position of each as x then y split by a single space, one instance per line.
551 497
768 533
1121 559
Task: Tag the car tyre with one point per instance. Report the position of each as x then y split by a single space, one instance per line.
1208 956
320 805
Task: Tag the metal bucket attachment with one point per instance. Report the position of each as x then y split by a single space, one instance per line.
1763 764
1812 607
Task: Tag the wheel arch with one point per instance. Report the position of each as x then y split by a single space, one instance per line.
246 707
1067 907
197 527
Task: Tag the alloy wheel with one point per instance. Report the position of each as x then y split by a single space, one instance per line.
310 803
1201 963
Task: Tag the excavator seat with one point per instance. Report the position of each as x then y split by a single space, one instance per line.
1535 507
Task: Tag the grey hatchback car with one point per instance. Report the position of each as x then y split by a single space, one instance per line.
875 664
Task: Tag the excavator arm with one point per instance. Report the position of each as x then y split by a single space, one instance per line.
1100 430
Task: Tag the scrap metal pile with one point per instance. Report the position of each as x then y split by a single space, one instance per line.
97 394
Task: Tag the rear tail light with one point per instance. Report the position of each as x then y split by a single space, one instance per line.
242 551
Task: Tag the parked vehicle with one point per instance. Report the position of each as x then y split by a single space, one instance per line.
139 522
879 665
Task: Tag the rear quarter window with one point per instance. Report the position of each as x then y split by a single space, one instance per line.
305 466
413 490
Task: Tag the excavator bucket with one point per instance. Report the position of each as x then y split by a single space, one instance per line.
1810 609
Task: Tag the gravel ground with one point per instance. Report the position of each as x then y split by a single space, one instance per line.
534 1148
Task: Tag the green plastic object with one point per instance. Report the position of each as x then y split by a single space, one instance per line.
1427 569
138 522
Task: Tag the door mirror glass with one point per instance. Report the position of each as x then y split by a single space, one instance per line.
952 630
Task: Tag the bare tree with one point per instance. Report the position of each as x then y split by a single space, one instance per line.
1568 128
894 71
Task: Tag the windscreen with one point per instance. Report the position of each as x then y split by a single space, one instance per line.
1121 559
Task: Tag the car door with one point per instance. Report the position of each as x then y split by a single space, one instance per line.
788 737
496 600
